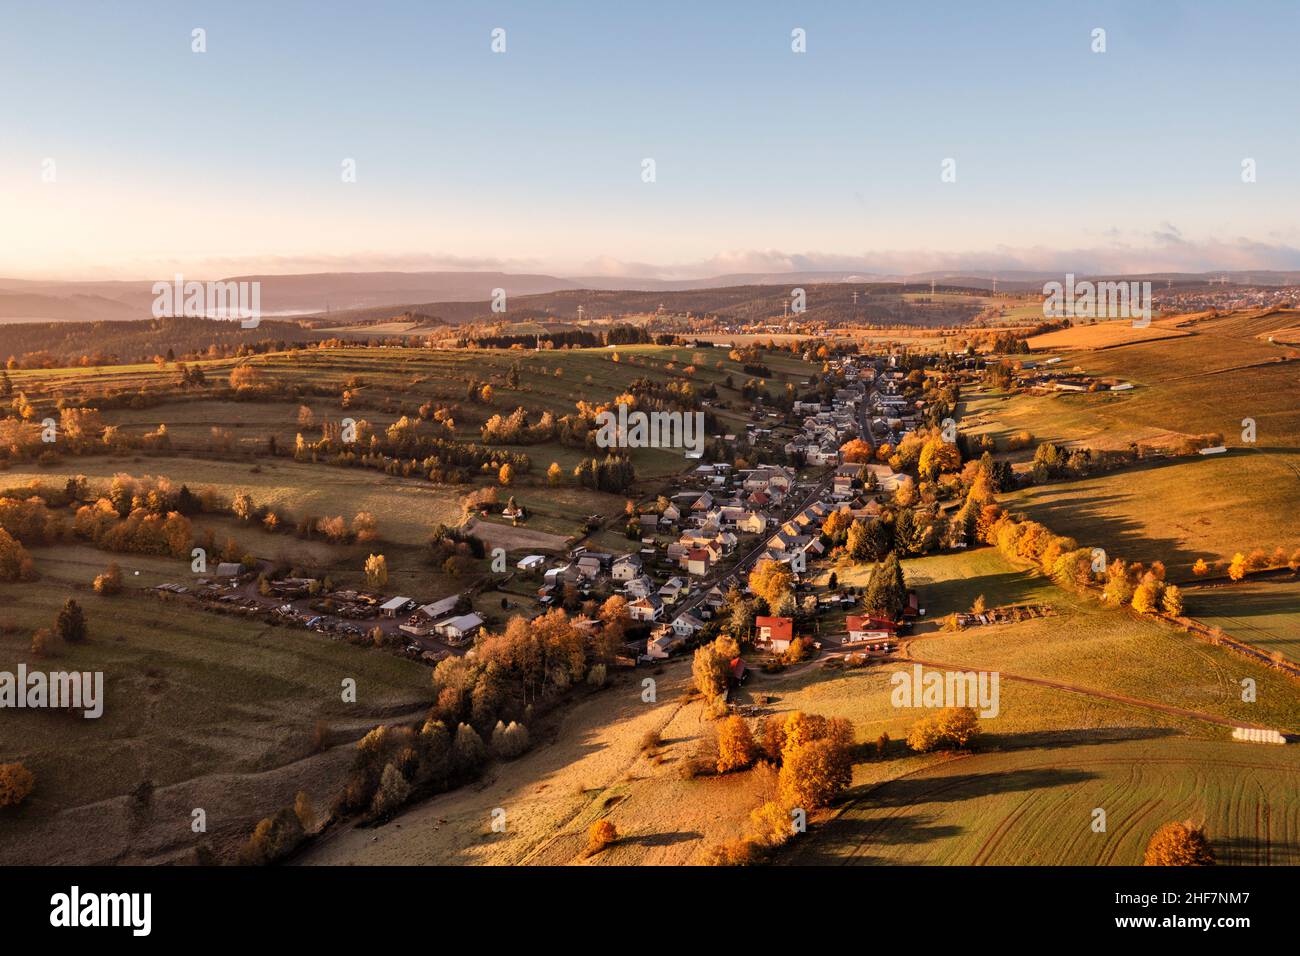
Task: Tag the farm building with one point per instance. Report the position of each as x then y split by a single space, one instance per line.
396 606
459 629
531 563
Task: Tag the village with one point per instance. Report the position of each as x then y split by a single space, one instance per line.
697 545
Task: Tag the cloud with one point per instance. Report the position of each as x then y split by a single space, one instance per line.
1164 250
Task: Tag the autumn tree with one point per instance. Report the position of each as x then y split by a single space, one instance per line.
736 748
951 728
376 571
110 582
814 773
1179 844
1239 566
773 581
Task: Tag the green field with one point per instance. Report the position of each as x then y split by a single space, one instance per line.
211 711
1260 611
1036 807
1176 511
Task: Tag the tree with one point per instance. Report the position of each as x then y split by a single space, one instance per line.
554 474
1200 568
509 740
1239 566
771 824
506 474
773 581
1146 597
1172 602
394 790
887 591
736 748
376 571
110 582
16 784
814 773
272 838
1179 844
709 670
950 728
70 625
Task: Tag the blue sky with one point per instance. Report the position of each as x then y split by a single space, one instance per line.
229 161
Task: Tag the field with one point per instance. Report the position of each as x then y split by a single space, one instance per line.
201 711
1260 611
1036 807
1176 511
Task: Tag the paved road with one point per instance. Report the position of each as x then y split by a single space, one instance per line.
751 558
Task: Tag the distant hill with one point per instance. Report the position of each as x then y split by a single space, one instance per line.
456 297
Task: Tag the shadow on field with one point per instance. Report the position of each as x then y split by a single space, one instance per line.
1061 739
664 839
951 788
1009 587
913 829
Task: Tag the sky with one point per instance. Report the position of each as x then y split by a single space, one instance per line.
126 154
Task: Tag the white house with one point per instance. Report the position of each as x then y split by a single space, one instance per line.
648 608
684 625
530 563
626 568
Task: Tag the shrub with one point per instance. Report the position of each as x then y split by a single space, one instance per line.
16 784
602 834
110 582
952 727
1179 844
742 852
272 839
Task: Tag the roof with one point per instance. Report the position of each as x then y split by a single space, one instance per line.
466 622
779 628
699 554
862 622
395 603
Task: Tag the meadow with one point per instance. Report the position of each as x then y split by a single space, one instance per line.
201 711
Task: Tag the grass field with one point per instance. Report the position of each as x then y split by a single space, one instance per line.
1177 511
208 711
1263 611
1036 807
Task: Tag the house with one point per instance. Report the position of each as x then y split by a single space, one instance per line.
697 561
590 566
639 586
866 628
703 503
776 632
672 590
531 563
671 515
229 569
396 606
648 608
555 576
685 625
661 642
457 630
626 568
